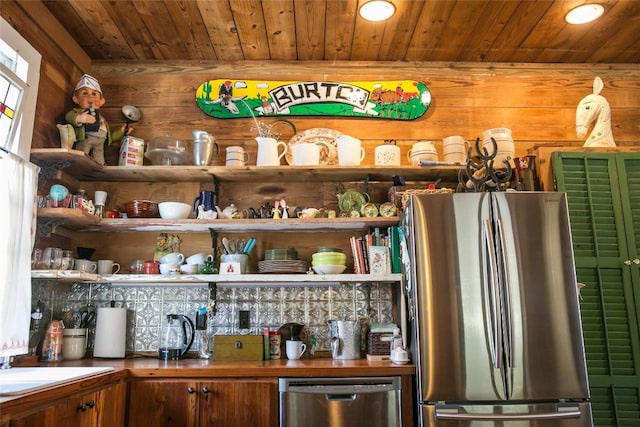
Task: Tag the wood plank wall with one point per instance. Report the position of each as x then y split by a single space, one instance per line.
537 101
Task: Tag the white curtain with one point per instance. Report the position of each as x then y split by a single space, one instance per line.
18 201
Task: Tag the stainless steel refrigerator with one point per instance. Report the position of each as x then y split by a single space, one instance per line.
492 301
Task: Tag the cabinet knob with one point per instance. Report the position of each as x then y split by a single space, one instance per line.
91 404
636 261
82 408
627 262
190 390
205 390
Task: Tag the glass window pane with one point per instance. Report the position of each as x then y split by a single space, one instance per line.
13 96
22 68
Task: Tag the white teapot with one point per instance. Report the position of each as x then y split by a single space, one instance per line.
230 212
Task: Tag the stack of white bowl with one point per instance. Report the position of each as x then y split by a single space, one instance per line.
328 261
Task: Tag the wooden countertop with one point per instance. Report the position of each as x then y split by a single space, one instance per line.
149 368
202 368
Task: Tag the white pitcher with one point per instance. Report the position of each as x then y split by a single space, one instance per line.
268 151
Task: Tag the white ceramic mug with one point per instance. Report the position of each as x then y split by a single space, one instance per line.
268 151
236 156
387 155
189 268
198 258
105 266
350 151
172 258
86 265
169 269
241 259
306 154
422 151
454 149
295 349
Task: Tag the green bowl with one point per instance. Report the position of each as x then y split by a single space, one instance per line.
324 249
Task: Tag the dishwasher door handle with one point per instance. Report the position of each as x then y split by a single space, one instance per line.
340 397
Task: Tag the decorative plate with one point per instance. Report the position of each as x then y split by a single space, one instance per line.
327 139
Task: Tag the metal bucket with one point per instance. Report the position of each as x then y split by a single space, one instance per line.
345 338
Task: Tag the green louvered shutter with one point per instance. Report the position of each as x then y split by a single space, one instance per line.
603 193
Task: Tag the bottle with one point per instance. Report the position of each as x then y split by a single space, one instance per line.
267 343
396 340
274 344
52 345
203 334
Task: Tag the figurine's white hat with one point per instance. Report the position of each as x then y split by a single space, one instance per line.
88 81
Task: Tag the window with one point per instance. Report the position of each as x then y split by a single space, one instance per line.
19 79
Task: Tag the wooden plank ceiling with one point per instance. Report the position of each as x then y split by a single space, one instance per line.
331 30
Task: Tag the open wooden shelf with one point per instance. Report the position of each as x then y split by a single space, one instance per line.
84 168
240 225
248 279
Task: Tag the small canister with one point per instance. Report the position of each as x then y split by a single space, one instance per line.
74 343
151 267
274 344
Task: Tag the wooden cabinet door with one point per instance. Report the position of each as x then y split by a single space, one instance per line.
238 402
110 408
77 411
160 403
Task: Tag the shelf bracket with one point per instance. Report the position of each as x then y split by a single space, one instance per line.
214 243
365 188
49 170
46 227
216 189
212 309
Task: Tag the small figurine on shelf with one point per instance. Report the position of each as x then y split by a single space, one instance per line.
91 129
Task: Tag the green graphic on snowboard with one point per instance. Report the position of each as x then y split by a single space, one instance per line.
395 100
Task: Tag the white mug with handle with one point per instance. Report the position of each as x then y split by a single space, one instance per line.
295 349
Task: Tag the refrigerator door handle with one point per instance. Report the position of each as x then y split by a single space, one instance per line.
508 318
492 297
455 414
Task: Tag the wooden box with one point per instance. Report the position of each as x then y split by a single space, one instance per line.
238 347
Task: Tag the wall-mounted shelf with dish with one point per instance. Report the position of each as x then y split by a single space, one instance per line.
247 279
84 168
74 219
79 166
240 225
65 275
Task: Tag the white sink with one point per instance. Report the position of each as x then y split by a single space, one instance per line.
21 380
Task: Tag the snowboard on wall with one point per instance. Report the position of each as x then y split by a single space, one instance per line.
391 99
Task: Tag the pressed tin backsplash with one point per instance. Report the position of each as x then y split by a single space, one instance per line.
272 307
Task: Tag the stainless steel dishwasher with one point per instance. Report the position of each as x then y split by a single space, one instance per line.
340 402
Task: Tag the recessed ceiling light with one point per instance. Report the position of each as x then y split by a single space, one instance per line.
585 13
377 10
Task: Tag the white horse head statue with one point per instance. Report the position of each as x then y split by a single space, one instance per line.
595 107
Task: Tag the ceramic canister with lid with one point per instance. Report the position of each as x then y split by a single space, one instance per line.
422 151
504 141
387 155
